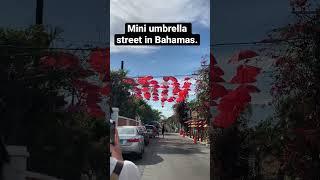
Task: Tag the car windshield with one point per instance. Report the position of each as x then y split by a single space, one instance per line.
126 130
149 127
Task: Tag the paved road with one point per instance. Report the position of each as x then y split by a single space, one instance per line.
174 158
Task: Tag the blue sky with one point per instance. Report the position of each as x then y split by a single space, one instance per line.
164 60
87 22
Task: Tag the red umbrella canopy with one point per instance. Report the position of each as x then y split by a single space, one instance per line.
148 77
186 85
166 78
176 84
218 91
171 99
136 89
179 99
145 89
173 79
105 90
212 60
163 99
217 71
244 54
60 60
165 91
147 95
155 94
154 82
245 74
143 81
176 90
230 107
99 61
130 81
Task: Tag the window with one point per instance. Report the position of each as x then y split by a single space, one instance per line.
127 130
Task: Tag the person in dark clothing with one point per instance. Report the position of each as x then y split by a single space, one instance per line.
163 130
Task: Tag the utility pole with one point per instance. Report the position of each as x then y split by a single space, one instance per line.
122 64
39 12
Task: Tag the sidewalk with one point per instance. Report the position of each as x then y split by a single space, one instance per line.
198 142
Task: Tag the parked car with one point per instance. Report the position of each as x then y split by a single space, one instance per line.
152 131
131 142
157 125
145 134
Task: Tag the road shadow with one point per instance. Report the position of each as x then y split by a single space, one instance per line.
179 149
150 157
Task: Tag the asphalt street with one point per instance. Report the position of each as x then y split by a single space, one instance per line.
174 158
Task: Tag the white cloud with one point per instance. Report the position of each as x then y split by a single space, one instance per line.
123 11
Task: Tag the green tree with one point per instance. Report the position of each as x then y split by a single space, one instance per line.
33 111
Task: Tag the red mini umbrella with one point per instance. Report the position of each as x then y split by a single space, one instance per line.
145 89
173 79
148 78
130 81
166 78
153 82
98 61
105 90
147 95
245 74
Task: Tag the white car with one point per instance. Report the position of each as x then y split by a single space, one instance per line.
131 141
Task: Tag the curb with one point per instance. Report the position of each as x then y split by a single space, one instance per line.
198 142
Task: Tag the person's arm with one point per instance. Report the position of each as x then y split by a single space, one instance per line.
115 149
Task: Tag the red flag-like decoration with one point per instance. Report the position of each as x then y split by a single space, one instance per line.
245 74
60 60
105 90
230 107
98 61
245 54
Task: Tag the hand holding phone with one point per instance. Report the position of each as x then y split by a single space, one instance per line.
112 132
114 144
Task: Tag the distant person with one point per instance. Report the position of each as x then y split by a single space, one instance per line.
163 130
120 169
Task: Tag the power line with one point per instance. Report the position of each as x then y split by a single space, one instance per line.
160 76
49 48
263 42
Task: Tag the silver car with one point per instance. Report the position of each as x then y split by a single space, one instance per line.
131 140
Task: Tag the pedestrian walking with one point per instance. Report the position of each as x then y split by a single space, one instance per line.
120 169
163 129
